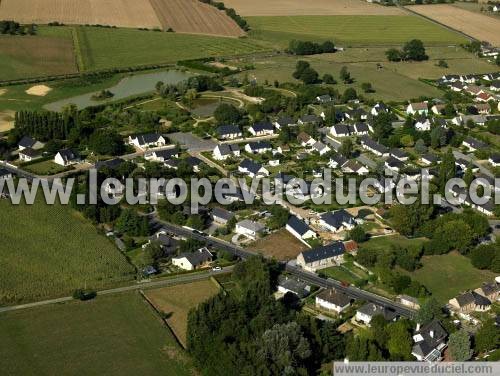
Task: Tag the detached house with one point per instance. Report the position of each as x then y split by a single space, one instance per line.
147 141
162 155
353 167
224 151
289 284
66 157
422 124
29 143
193 260
285 121
417 108
470 301
337 221
484 98
429 159
261 129
490 290
429 341
249 228
252 169
28 155
340 130
309 119
305 140
472 144
322 257
300 229
5 174
259 147
379 108
494 160
321 148
366 313
333 300
322 99
221 216
337 161
399 154
394 164
228 132
373 146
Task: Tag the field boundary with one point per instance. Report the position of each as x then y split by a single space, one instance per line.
80 65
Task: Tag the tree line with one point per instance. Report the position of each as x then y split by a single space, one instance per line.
15 28
298 47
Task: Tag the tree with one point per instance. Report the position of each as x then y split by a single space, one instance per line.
482 256
382 126
429 310
328 79
454 235
190 96
468 176
195 221
346 147
279 217
349 94
367 87
393 54
497 60
420 147
487 337
345 76
309 76
106 142
407 219
358 234
226 113
132 224
300 66
399 343
407 140
152 253
447 169
414 50
442 64
460 346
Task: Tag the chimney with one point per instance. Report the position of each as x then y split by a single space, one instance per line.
431 333
418 327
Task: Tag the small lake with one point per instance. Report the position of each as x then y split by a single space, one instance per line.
204 107
127 87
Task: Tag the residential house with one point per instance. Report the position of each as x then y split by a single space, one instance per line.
322 257
289 284
221 216
340 130
429 159
200 258
438 108
111 164
394 164
259 147
429 342
384 185
166 242
309 119
162 155
450 78
337 221
356 114
373 146
468 78
472 144
495 86
494 160
224 151
332 300
147 141
29 143
470 301
360 129
409 301
321 148
466 119
305 140
422 124
379 108
261 129
285 121
249 228
298 228
228 132
490 290
482 108
367 312
399 154
474 90
354 167
457 86
322 99
5 174
420 108
28 155
484 98
66 157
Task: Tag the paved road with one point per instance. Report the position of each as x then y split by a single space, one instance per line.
306 276
137 286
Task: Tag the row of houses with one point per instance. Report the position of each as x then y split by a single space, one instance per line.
478 300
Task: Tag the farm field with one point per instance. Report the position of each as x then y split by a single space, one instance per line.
193 16
110 335
281 245
49 250
479 26
351 30
177 301
49 52
125 13
108 48
310 7
443 275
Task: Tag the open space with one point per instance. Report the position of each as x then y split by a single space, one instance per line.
281 245
49 250
177 301
45 168
309 7
351 30
445 276
110 335
479 26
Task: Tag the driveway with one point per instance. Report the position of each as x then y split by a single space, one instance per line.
191 142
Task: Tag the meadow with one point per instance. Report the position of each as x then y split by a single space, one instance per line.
49 250
281 245
351 30
176 302
110 335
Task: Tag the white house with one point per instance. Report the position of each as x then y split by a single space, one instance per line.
162 155
494 160
288 284
420 108
353 167
259 147
29 143
429 342
5 174
321 148
423 124
322 257
472 144
66 157
332 300
146 141
224 151
228 132
305 140
252 169
249 228
337 221
193 260
340 130
373 146
300 229
367 312
261 129
28 155
379 108
285 121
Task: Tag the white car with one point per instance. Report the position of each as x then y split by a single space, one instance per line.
216 269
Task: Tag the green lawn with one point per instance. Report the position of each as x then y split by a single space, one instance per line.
447 275
108 48
45 168
350 30
383 242
340 274
49 250
110 335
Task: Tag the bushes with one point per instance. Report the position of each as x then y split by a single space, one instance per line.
298 47
80 294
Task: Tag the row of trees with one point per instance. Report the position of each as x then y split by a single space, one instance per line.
14 28
298 47
413 50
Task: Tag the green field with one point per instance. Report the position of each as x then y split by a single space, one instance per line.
45 168
445 276
48 251
110 335
384 242
350 30
108 48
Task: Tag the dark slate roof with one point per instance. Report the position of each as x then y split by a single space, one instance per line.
374 145
338 217
251 166
227 149
227 129
372 310
290 283
110 163
167 153
193 161
340 159
27 142
361 127
68 155
431 158
495 158
335 297
259 145
475 143
4 172
380 107
298 225
29 152
398 153
284 178
148 138
490 288
323 252
222 213
263 126
429 343
341 128
309 119
285 120
197 257
393 162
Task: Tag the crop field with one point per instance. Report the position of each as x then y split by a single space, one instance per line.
177 301
351 30
125 13
281 245
49 52
479 26
193 16
309 7
110 335
107 48
49 250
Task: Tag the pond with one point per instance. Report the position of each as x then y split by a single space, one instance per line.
127 87
203 107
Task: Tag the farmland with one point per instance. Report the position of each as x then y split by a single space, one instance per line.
281 245
110 335
351 30
479 26
316 7
48 251
193 16
177 301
